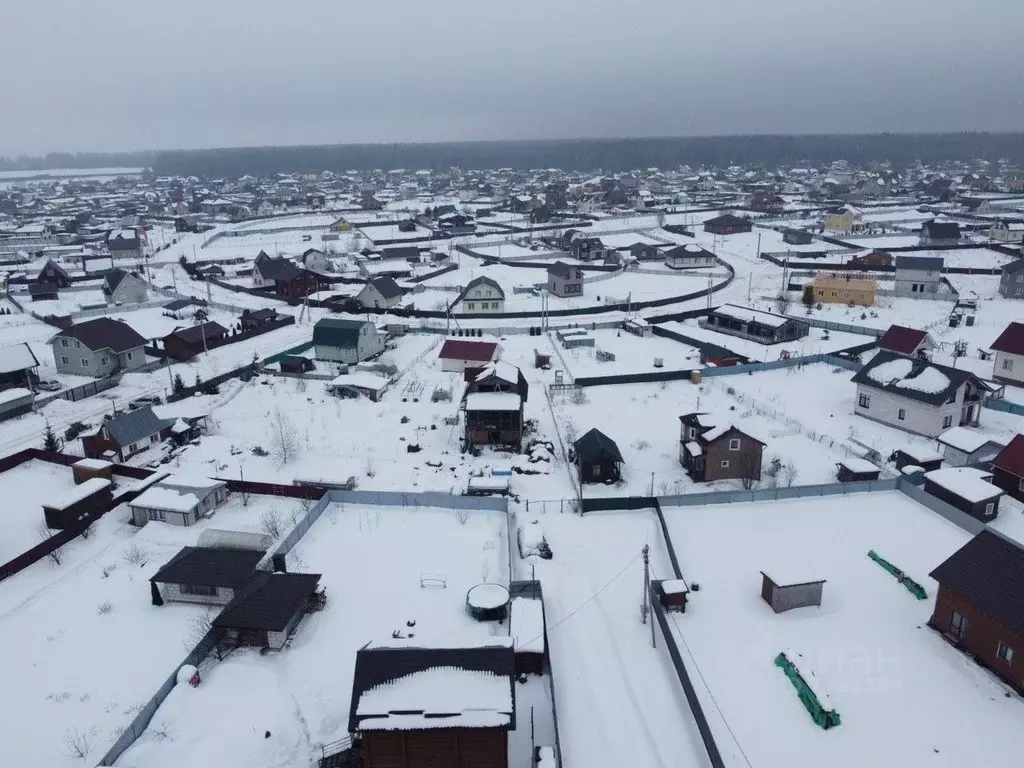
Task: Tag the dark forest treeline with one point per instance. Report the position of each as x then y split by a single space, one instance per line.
610 155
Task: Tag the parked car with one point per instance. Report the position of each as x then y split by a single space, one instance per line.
49 385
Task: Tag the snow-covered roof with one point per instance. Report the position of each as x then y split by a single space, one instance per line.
527 624
787 574
693 448
748 315
930 380
492 401
858 465
79 492
968 483
12 395
92 464
440 697
361 380
18 357
966 440
177 493
716 432
674 587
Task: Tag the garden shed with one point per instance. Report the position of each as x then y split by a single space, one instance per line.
784 594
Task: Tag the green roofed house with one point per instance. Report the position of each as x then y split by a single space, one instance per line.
346 341
597 457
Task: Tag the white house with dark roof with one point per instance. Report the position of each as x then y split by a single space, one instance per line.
178 500
481 296
122 287
380 292
917 396
98 347
1011 280
1009 361
919 274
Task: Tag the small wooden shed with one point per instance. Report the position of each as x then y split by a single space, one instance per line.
87 469
296 364
853 469
673 594
926 458
786 594
79 506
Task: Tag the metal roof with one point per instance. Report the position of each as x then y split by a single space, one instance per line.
132 426
209 567
268 601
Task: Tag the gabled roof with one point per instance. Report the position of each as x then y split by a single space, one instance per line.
268 601
132 426
563 270
688 251
174 306
195 335
1011 340
378 666
595 444
1014 267
920 263
912 378
338 332
476 282
1011 458
400 252
945 230
103 333
17 357
277 269
730 219
42 289
988 572
901 339
209 567
386 286
54 267
114 277
475 351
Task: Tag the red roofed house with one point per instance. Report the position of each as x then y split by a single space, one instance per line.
1009 349
906 341
1008 468
457 355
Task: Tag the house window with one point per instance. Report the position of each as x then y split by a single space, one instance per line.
734 444
198 589
157 514
85 362
153 438
470 305
947 422
103 361
595 470
693 434
901 414
130 355
63 360
1005 653
1020 484
64 342
1020 278
725 464
1007 364
864 401
958 625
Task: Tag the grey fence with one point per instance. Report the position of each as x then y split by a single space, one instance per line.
296 533
960 519
845 327
1003 405
141 721
777 494
75 394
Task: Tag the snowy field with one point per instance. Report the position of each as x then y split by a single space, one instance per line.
27 487
817 340
387 232
906 697
633 354
371 560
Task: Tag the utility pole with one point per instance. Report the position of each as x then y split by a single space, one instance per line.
644 606
169 377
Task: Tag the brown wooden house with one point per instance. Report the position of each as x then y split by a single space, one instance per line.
1008 468
186 343
872 260
598 459
727 224
438 707
708 452
494 407
980 603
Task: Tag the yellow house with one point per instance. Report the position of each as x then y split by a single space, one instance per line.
340 226
842 220
836 288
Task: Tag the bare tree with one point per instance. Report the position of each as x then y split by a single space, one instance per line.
76 743
789 474
782 302
199 626
55 555
135 554
284 438
272 523
750 467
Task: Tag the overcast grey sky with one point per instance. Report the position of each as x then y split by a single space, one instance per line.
100 75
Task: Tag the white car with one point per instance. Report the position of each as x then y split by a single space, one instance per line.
49 385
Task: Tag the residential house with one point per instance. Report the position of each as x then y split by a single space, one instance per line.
872 260
842 288
266 610
1008 468
708 452
346 341
565 279
315 260
919 274
980 604
842 220
753 324
43 291
966 488
124 243
727 224
763 202
122 287
1007 231
98 347
480 297
185 343
296 364
457 355
207 575
255 319
54 273
909 342
126 434
1009 360
584 248
1011 282
178 500
917 396
792 236
370 203
962 446
396 704
288 279
18 365
181 308
493 403
380 293
407 253
940 231
689 256
598 459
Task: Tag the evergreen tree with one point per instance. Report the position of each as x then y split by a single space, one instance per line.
179 385
50 442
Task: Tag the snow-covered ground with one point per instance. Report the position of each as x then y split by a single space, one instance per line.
27 487
906 697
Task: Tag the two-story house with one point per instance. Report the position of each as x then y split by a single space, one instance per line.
940 231
1009 360
380 293
1011 281
1007 231
916 395
565 279
124 243
919 274
122 287
708 452
98 347
481 296
346 341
